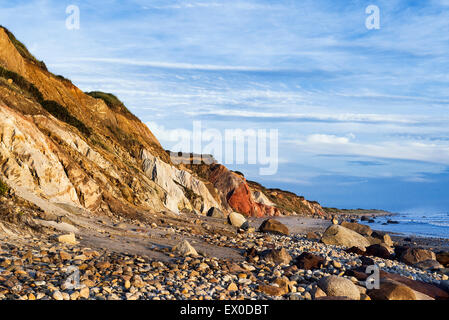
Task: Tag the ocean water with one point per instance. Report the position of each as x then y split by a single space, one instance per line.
423 224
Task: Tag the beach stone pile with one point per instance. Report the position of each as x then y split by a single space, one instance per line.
273 265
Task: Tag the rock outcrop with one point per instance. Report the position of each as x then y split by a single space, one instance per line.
236 193
183 190
250 198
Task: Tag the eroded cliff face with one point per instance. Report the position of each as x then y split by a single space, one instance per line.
29 159
252 199
184 190
287 202
60 146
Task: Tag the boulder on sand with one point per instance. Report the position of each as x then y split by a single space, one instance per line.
335 286
357 227
378 250
309 261
277 256
273 226
184 248
413 256
341 236
392 290
215 213
420 288
380 237
443 258
355 250
428 265
236 219
426 288
67 238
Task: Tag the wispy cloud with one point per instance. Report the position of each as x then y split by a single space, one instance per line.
428 152
321 117
172 65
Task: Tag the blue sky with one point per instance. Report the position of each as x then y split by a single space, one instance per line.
362 114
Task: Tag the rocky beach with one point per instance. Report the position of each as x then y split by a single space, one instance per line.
92 207
205 258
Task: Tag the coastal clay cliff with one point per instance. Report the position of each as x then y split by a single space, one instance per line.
252 199
63 148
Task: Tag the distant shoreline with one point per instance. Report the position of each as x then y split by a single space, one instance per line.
359 212
302 225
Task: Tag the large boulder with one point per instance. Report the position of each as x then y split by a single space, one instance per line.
357 227
378 237
443 258
367 261
392 290
67 238
236 219
419 286
356 250
215 213
335 286
378 250
413 256
399 249
277 256
341 236
428 265
273 226
309 261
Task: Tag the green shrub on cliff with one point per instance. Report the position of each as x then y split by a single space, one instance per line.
112 102
4 189
61 113
22 83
